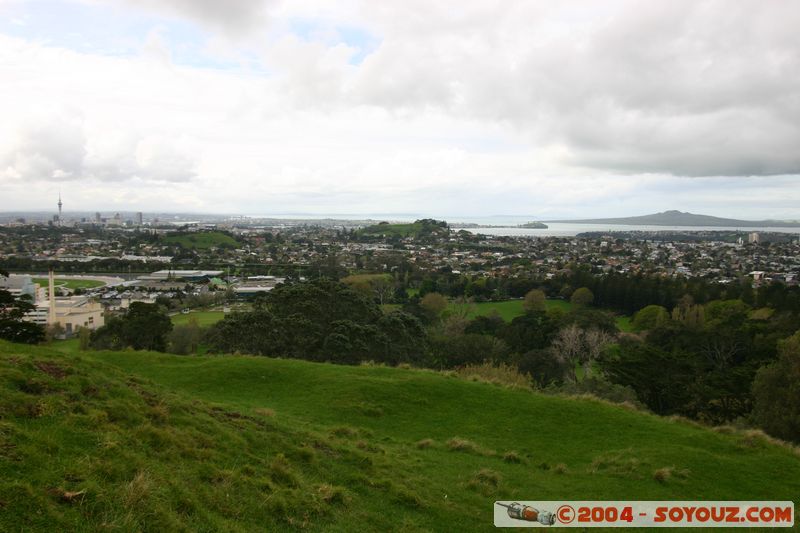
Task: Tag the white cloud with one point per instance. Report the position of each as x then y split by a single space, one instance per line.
494 106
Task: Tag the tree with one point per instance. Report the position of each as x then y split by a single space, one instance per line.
534 301
144 327
662 379
567 347
434 304
403 338
649 317
777 395
12 311
574 346
582 297
185 339
84 339
450 352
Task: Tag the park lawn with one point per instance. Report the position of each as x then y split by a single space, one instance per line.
70 283
204 318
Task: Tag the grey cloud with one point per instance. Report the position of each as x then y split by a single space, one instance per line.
232 17
47 150
694 88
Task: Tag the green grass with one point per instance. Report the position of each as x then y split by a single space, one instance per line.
204 318
202 241
70 283
509 309
161 442
624 324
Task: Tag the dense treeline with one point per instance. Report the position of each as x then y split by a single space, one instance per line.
628 293
110 265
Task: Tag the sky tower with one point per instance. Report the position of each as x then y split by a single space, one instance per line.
59 207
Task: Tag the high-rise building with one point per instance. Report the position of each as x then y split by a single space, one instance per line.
139 218
59 207
97 218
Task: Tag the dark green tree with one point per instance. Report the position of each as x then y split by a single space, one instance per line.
776 391
12 311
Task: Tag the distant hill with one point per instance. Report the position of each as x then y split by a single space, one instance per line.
680 218
420 228
137 441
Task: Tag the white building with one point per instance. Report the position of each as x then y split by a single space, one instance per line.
72 313
19 284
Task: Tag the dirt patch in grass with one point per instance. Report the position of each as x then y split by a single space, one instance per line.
51 369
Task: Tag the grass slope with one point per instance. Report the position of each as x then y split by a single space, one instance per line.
161 442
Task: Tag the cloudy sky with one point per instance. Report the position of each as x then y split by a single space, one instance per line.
547 109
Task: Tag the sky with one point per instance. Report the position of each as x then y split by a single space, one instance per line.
571 109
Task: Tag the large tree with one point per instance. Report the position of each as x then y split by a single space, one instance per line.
143 327
776 391
12 312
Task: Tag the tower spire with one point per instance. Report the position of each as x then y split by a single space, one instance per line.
59 207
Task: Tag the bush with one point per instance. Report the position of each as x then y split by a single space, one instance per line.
600 388
502 374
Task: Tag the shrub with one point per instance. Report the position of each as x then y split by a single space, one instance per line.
502 374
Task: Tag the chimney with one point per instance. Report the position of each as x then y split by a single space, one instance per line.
51 318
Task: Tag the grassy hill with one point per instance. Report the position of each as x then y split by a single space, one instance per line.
125 441
416 229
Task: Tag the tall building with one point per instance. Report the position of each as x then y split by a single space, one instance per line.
139 218
97 219
59 207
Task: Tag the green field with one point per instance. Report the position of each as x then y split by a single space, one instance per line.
150 442
202 241
510 309
70 283
204 318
